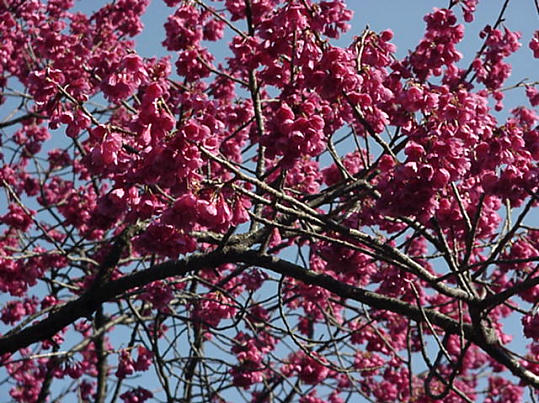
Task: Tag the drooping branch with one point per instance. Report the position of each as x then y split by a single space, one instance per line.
89 302
86 305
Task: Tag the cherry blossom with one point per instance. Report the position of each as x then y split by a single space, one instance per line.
266 207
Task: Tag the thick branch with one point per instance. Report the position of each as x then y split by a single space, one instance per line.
88 303
378 301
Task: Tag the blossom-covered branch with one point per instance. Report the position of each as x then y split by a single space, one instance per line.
275 218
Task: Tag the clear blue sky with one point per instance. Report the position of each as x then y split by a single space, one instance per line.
404 17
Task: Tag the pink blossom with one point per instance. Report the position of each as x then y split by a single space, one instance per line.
137 395
310 370
125 365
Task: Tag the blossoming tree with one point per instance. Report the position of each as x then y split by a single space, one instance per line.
296 222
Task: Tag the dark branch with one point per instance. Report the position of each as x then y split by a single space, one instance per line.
88 303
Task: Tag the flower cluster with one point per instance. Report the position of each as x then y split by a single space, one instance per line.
491 69
126 365
310 369
250 352
212 309
438 48
124 79
137 395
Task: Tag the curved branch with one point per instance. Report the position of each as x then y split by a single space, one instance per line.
378 301
89 302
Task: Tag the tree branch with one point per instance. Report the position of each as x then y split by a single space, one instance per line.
88 303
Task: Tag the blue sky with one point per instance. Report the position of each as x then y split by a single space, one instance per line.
403 17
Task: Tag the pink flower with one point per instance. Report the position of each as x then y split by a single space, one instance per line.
159 294
531 326
309 370
501 390
214 308
534 44
125 365
137 395
18 218
183 28
144 359
130 74
246 375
